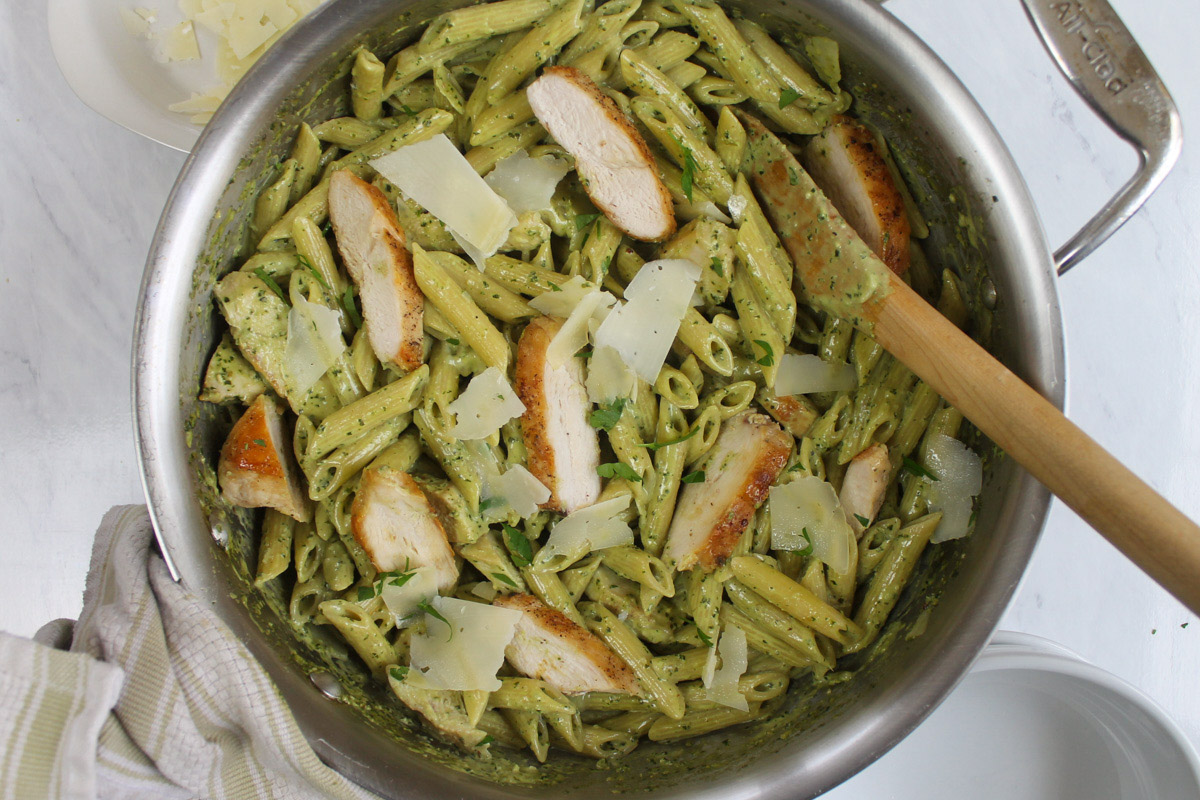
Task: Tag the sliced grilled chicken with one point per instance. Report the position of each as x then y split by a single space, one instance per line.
795 412
564 450
258 322
372 246
738 471
256 469
843 161
611 157
864 486
443 710
549 646
397 526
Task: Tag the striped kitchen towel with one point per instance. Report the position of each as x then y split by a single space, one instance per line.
156 698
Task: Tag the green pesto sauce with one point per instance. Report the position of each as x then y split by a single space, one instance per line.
957 242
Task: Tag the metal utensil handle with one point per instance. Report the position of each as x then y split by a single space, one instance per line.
1097 54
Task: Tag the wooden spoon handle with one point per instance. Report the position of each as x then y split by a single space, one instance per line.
1137 520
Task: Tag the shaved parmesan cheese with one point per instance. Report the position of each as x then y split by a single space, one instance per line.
484 590
643 329
959 473
135 24
246 31
561 303
279 13
579 533
805 374
434 174
314 343
574 332
197 104
403 597
179 43
735 657
710 667
488 402
737 207
466 654
608 377
516 491
710 209
527 183
807 512
214 16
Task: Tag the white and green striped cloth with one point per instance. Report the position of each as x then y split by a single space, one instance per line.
156 699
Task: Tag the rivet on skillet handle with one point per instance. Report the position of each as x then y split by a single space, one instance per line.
1097 54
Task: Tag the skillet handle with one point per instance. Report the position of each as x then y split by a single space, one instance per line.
1098 55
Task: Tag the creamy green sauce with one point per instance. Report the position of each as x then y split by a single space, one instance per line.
810 705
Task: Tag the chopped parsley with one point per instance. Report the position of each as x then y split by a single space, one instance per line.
788 96
490 502
428 608
518 546
808 550
768 357
618 470
487 740
914 468
693 477
396 577
862 520
554 287
304 262
718 267
584 352
351 307
398 672
583 220
660 445
689 171
507 581
266 278
260 442
407 111
606 416
704 637
454 342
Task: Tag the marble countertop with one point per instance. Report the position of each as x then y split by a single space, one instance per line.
80 197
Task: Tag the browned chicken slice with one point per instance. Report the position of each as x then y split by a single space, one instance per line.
256 469
864 486
738 471
372 246
794 412
611 157
398 527
843 161
549 646
564 450
442 709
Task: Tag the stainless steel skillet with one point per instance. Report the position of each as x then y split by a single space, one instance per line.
950 151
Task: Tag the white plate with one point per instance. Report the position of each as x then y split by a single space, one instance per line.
116 74
1033 721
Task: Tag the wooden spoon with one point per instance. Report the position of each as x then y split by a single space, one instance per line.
839 274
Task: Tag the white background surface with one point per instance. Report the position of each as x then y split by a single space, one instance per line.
80 196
